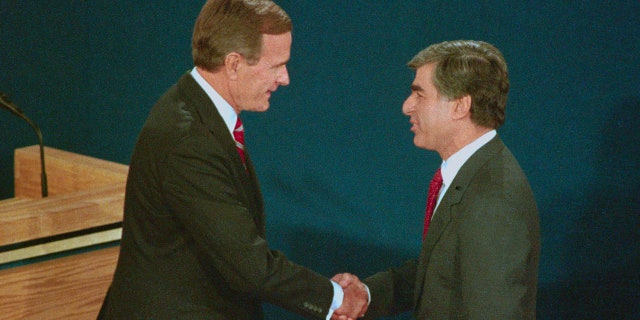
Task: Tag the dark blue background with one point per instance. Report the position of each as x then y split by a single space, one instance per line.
344 186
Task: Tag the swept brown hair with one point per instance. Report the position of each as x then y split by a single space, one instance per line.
225 26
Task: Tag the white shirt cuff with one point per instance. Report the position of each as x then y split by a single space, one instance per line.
338 296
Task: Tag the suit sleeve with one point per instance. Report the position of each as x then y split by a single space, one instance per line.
204 194
392 291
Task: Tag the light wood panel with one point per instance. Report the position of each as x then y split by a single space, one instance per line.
67 172
67 244
84 193
66 288
84 208
38 218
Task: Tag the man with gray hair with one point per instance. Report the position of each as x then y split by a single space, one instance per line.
481 238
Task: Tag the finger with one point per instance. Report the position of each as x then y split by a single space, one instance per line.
347 279
345 282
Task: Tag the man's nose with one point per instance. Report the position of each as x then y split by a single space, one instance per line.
283 76
407 106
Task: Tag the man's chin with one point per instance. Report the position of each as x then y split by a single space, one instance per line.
261 108
419 143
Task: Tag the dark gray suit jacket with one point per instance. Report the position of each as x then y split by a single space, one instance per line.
480 257
193 243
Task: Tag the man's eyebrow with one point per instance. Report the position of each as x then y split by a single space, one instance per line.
281 63
415 87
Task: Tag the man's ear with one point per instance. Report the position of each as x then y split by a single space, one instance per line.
231 64
462 107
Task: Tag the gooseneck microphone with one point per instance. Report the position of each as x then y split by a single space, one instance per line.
6 103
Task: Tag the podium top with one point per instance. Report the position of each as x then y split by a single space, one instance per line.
66 172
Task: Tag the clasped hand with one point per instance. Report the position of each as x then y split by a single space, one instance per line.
356 297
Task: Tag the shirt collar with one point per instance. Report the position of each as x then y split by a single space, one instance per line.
451 166
224 108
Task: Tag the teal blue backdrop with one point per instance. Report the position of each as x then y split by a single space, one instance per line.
344 186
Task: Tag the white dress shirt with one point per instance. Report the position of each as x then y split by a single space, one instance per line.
225 110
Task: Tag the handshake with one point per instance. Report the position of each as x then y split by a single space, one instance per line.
356 297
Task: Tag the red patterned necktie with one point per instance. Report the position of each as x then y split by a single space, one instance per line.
434 191
238 135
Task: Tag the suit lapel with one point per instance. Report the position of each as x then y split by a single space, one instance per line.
209 116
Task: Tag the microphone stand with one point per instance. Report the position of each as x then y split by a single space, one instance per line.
6 103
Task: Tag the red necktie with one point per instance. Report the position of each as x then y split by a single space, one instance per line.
238 135
434 190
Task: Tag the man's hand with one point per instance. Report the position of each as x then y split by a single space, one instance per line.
356 297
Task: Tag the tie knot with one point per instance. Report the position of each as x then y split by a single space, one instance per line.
432 199
435 185
238 134
437 177
238 126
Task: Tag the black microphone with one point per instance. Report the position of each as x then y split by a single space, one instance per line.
6 103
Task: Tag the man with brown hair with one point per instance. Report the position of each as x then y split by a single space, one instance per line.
481 239
193 243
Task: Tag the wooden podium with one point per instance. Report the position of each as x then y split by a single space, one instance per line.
83 209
